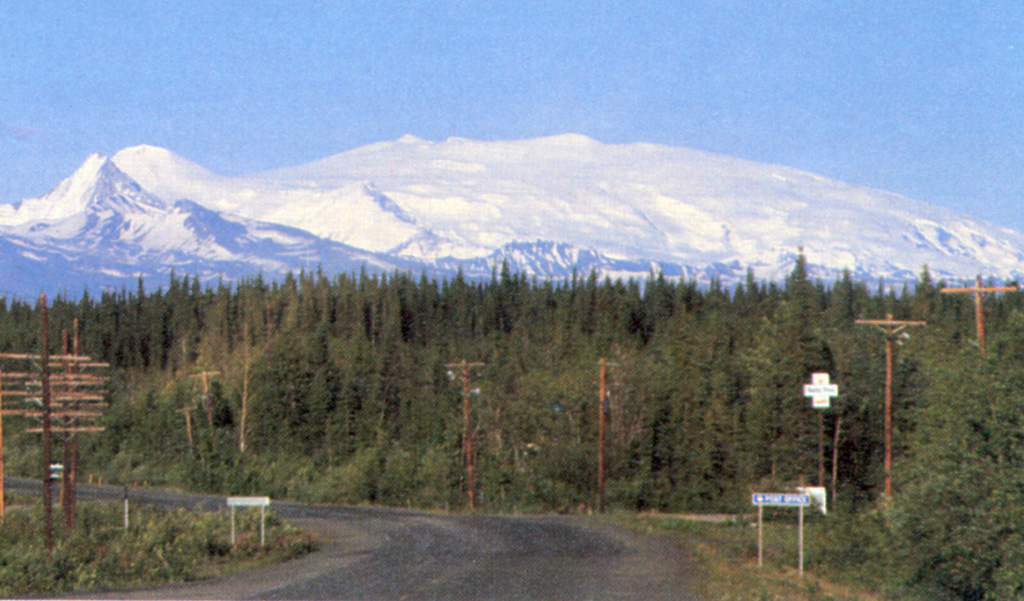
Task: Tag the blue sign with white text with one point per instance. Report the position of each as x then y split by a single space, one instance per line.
784 499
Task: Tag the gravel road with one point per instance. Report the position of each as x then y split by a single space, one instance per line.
389 554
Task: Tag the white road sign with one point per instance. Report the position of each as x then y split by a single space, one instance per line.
248 501
261 502
821 391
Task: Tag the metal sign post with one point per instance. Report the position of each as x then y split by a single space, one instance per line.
260 502
760 499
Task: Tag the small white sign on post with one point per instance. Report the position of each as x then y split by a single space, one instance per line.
778 499
261 502
820 390
818 497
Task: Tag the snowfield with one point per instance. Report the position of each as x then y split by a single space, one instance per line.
545 205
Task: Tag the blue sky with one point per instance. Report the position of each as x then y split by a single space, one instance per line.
922 98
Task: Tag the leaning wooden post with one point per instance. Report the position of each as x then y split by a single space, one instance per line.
835 456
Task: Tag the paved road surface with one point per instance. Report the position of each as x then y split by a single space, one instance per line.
389 554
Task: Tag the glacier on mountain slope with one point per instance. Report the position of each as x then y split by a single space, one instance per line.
465 200
549 207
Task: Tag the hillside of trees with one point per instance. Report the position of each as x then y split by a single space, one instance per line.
341 389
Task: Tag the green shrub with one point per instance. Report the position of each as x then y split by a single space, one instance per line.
158 547
354 482
434 475
398 478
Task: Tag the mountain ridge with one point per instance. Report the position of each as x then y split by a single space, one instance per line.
101 228
548 207
629 202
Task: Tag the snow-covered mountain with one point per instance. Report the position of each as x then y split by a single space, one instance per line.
634 203
546 206
99 228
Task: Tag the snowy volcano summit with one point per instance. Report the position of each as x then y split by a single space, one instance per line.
546 206
632 204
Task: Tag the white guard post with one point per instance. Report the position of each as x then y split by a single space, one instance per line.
760 499
260 502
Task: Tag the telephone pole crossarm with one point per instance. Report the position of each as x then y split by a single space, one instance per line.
978 290
891 326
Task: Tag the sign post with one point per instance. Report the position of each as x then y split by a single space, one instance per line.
260 502
760 499
821 391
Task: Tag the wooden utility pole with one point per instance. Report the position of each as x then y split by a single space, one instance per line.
821 448
67 486
467 434
3 507
63 403
245 390
602 400
891 327
72 380
602 428
979 311
835 455
44 358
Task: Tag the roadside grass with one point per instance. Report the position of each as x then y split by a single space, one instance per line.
728 553
159 547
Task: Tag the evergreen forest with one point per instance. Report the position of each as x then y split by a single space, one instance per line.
349 389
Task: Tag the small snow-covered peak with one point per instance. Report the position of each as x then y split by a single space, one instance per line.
159 170
568 140
154 157
73 194
144 150
410 139
97 185
92 164
76 189
561 144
